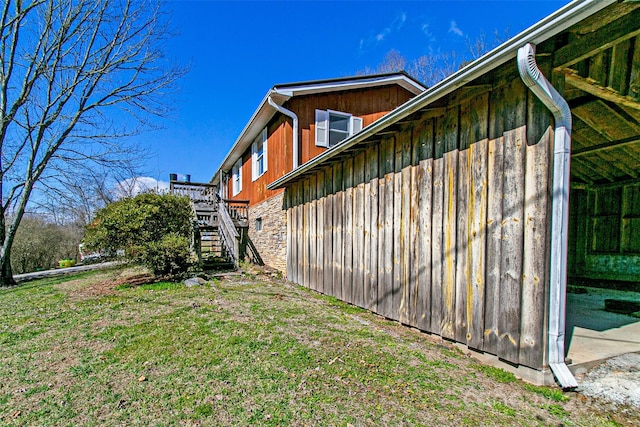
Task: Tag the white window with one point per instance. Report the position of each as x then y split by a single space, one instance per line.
258 224
236 177
334 126
259 155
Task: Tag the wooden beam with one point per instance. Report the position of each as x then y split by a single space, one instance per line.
606 122
594 89
468 92
590 44
606 16
606 145
575 173
429 113
616 184
593 173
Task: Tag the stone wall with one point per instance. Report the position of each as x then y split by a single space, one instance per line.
271 241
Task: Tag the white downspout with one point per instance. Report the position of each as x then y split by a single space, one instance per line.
540 86
295 128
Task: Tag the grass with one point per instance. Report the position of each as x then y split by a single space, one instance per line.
90 350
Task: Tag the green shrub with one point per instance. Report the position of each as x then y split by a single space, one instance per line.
153 230
170 255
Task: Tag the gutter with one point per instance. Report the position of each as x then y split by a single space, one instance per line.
548 27
294 117
540 86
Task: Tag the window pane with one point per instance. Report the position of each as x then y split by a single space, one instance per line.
337 122
336 136
260 162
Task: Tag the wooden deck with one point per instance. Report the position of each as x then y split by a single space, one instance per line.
221 224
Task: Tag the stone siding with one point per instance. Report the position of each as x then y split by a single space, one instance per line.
271 241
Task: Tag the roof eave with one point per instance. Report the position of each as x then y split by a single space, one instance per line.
263 113
401 79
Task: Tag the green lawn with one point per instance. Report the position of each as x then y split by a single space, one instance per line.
89 350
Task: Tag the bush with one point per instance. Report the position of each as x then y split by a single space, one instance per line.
171 255
153 230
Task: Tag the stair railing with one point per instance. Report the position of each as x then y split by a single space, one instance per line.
238 211
254 255
230 236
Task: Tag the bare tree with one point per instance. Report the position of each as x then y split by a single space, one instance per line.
393 61
480 45
74 196
430 69
73 74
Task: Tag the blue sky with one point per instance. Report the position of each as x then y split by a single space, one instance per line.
238 50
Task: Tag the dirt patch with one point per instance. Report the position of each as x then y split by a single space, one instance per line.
104 283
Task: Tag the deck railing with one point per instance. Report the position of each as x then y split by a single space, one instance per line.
230 217
238 211
197 192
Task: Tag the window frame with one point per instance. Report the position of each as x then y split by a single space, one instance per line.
236 178
323 126
259 158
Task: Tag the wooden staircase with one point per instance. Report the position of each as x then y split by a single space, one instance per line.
220 226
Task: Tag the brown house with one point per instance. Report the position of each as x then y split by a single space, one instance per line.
452 213
292 125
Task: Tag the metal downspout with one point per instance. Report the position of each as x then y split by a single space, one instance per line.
294 117
540 86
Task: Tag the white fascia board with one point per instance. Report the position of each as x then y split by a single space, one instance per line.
256 123
334 86
552 25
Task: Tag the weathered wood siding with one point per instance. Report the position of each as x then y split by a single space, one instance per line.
441 224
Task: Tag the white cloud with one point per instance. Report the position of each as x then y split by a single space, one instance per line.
426 31
140 184
453 28
395 26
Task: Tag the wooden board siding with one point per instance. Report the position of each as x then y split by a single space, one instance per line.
280 161
371 205
442 224
369 104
